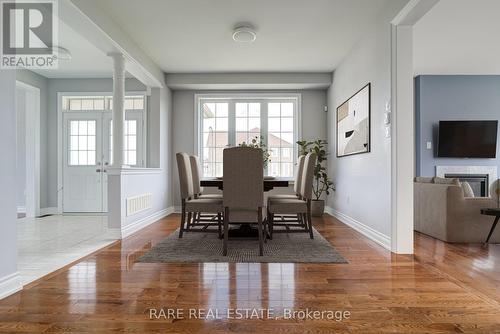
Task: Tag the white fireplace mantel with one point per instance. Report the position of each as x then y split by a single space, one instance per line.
491 171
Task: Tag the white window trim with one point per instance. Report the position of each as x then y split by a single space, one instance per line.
249 96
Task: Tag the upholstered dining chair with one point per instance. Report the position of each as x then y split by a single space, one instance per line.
297 206
290 221
243 193
296 182
198 190
191 204
196 174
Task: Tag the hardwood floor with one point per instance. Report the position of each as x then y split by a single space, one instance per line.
442 289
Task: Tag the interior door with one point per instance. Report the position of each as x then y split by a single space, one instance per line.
82 162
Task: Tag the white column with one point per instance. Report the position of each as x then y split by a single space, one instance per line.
118 108
403 140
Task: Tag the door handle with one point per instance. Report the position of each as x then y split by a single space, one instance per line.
98 170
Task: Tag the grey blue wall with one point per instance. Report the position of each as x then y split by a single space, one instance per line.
452 97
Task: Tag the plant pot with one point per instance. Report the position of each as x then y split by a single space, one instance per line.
317 207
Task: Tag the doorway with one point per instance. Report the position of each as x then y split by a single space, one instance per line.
87 148
28 150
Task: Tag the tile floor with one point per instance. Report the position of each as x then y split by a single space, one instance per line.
49 243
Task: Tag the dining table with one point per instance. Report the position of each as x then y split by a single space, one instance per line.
269 183
245 230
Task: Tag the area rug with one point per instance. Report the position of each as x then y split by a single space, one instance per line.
207 247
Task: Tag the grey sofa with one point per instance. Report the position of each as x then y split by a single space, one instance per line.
442 211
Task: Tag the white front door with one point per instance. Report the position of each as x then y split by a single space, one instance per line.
83 165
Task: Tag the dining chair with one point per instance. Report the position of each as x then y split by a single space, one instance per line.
243 193
296 182
298 206
287 220
198 190
191 204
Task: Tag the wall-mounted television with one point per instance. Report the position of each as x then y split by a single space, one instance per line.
467 139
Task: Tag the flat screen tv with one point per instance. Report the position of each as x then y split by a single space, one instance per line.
467 139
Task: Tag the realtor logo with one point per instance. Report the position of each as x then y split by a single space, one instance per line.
28 34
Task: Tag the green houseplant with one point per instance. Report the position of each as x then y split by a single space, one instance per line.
322 184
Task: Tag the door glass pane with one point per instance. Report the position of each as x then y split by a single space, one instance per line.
130 143
82 143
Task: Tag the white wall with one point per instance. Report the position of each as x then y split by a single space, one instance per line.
8 221
458 37
313 122
363 182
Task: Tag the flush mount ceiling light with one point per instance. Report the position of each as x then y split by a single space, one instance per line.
244 34
61 53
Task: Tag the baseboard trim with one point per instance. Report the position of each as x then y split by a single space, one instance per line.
21 209
144 222
380 238
10 284
49 211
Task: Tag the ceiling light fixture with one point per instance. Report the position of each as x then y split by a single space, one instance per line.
61 53
244 34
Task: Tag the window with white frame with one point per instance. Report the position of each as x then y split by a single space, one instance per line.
229 120
134 131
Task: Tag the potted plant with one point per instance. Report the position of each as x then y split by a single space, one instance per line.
322 184
257 142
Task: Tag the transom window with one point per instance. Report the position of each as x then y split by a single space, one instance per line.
225 121
99 103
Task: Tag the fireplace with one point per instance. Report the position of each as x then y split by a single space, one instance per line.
478 182
481 178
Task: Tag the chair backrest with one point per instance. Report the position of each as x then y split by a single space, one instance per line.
196 173
185 175
308 176
298 177
243 178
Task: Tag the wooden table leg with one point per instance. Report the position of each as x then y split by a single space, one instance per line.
492 228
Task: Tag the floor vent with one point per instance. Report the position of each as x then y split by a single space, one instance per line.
139 203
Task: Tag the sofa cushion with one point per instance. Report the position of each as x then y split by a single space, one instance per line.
423 179
444 180
467 189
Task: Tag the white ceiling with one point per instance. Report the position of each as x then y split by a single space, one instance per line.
458 37
87 61
292 35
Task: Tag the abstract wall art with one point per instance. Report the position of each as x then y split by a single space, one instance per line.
353 124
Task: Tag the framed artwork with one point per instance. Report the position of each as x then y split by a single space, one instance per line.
353 124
